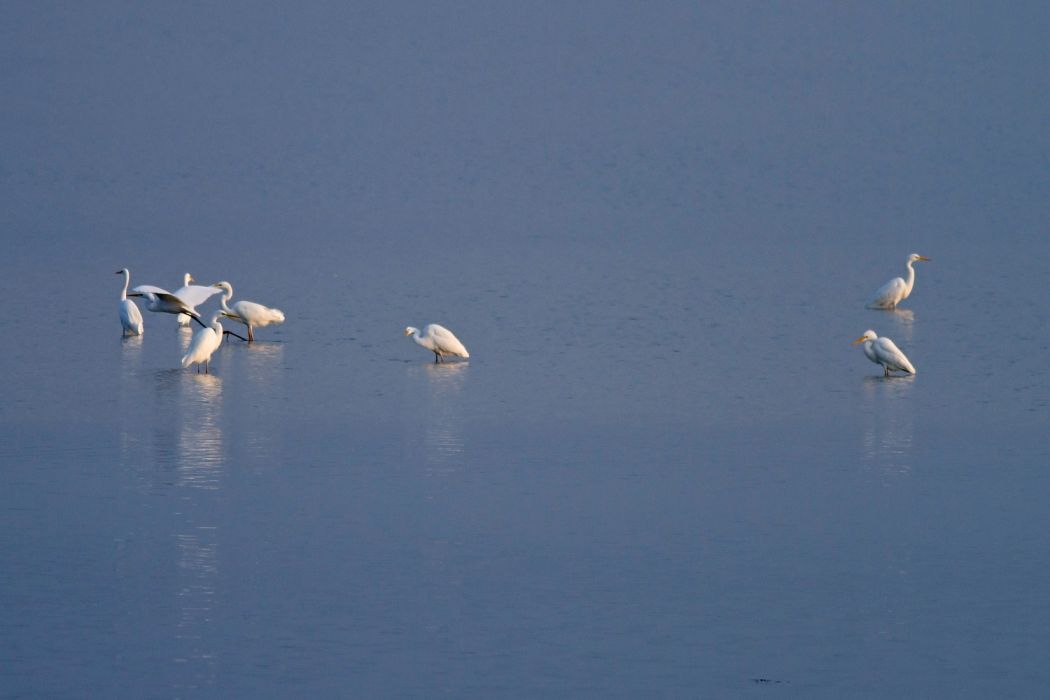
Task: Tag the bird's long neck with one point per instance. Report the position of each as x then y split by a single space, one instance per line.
869 350
227 294
127 281
910 282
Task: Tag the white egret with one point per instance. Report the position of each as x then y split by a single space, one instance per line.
162 301
130 316
248 312
438 340
897 289
204 343
883 351
194 295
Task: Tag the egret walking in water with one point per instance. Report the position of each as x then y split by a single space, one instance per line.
897 289
883 351
439 340
162 301
130 316
248 312
204 344
194 295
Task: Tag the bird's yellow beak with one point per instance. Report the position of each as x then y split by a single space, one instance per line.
858 340
924 258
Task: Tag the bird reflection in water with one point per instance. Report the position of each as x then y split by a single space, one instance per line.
443 436
200 455
901 324
197 551
199 464
886 443
261 358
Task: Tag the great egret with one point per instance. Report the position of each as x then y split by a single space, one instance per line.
130 316
162 301
204 343
438 340
193 294
897 289
882 351
248 312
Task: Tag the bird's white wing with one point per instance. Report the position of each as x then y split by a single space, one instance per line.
175 302
446 340
888 353
889 293
149 289
195 294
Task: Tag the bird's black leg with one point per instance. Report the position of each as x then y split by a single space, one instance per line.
235 335
198 320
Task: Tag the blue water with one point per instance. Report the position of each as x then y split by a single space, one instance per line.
663 471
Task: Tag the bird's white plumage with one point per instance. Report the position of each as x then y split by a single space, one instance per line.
193 294
897 289
130 316
439 340
883 351
249 313
204 344
161 301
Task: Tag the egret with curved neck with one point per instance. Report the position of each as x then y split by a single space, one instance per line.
248 312
438 340
883 351
204 344
130 316
897 289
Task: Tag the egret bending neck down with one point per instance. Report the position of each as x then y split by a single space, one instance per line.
883 351
248 312
439 340
204 344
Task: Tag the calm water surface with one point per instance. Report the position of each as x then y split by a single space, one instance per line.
663 472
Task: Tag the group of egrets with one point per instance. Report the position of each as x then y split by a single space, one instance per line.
184 302
883 351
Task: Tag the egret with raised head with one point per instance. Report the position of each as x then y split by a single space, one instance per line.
897 289
130 316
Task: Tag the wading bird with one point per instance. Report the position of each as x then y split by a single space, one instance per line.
897 289
130 316
204 343
438 340
248 312
882 351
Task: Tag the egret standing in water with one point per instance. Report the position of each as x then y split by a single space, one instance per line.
439 340
248 312
204 344
193 294
883 351
130 316
897 289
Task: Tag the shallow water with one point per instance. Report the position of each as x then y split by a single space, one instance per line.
663 470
